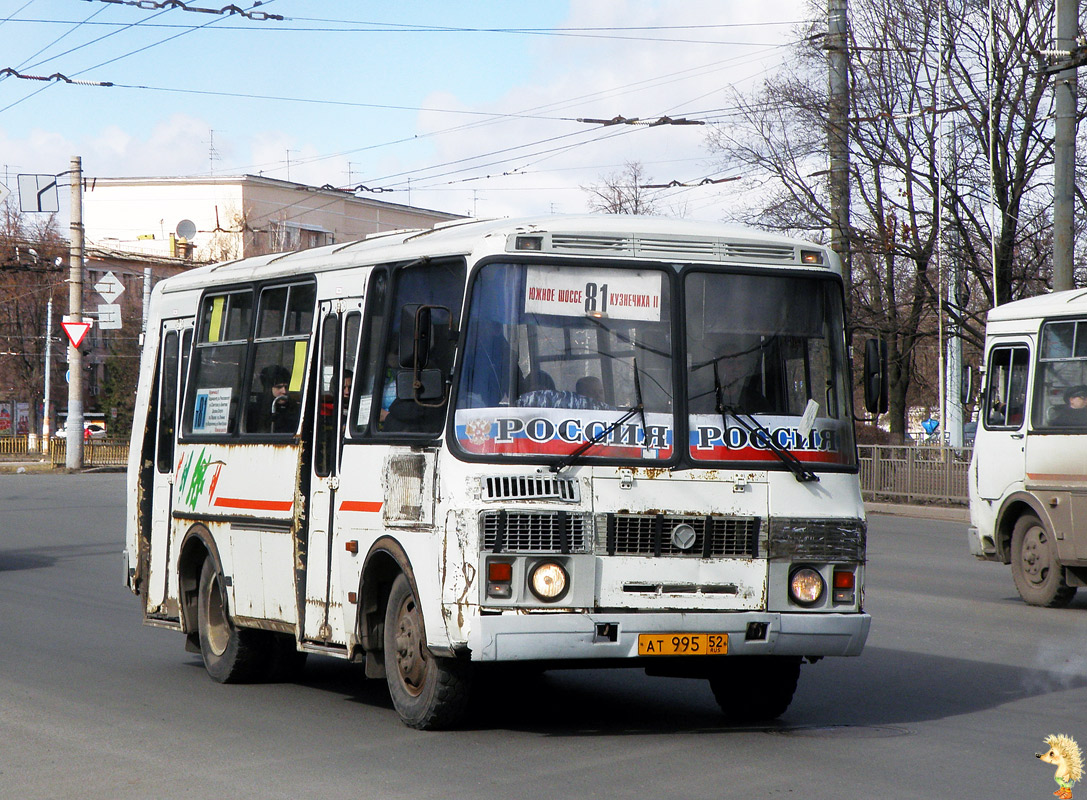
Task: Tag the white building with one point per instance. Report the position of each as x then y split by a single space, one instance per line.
224 217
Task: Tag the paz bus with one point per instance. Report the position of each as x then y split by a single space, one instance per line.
1028 474
568 441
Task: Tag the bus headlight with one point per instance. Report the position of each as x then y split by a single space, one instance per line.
548 581
806 586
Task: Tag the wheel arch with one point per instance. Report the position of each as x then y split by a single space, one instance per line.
385 560
1014 507
196 546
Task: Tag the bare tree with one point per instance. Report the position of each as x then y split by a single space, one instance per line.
909 92
622 192
29 275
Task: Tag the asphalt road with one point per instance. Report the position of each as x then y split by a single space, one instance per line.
952 697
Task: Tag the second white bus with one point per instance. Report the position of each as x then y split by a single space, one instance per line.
1028 475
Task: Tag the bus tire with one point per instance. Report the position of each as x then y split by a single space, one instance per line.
1038 576
755 688
231 654
429 693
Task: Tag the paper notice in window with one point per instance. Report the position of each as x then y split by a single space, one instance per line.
604 293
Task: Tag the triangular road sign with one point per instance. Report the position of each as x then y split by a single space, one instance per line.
76 331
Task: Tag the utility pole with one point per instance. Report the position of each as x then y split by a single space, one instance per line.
74 455
47 406
1064 148
837 45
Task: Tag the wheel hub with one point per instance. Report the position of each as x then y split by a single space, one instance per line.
218 632
410 649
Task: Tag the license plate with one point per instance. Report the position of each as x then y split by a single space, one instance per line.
682 644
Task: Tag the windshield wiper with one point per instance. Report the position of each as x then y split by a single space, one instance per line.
603 434
800 471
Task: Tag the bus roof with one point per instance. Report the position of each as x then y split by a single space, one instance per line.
1054 304
600 235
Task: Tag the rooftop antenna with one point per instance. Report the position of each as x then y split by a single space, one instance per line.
213 154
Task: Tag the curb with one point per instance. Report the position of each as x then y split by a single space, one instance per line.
944 513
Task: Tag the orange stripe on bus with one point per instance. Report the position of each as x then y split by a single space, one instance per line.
361 505
254 505
1056 476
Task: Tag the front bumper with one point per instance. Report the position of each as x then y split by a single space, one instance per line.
556 636
981 547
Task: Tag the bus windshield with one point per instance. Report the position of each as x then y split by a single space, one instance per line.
768 348
555 355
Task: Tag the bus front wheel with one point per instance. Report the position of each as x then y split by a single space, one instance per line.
231 654
1038 575
755 688
429 693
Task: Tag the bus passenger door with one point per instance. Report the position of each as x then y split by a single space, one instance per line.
1001 439
339 331
173 358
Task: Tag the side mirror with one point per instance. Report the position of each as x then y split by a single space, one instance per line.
415 335
967 393
875 376
429 388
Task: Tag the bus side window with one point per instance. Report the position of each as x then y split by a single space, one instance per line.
168 403
274 386
1006 397
1062 376
222 344
440 284
370 363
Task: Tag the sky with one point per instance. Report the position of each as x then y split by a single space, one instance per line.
465 107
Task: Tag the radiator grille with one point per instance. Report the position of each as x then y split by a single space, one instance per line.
533 532
530 487
651 535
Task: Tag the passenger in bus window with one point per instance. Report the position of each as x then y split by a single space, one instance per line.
590 386
276 411
348 377
547 396
1073 414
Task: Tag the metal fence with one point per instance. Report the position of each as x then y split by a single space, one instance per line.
907 473
96 453
890 473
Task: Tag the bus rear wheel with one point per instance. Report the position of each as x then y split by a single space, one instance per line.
1038 575
429 693
755 688
231 654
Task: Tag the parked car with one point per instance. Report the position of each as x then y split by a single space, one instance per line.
91 430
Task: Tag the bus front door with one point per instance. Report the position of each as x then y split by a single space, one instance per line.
1001 439
335 353
176 338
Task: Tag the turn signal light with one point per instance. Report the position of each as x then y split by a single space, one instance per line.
500 579
844 586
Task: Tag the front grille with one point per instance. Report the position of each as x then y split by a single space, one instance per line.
533 532
651 535
530 487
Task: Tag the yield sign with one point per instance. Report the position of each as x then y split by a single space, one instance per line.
76 331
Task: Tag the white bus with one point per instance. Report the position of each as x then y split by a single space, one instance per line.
569 441
1028 476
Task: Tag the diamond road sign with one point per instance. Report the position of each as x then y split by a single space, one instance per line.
109 287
